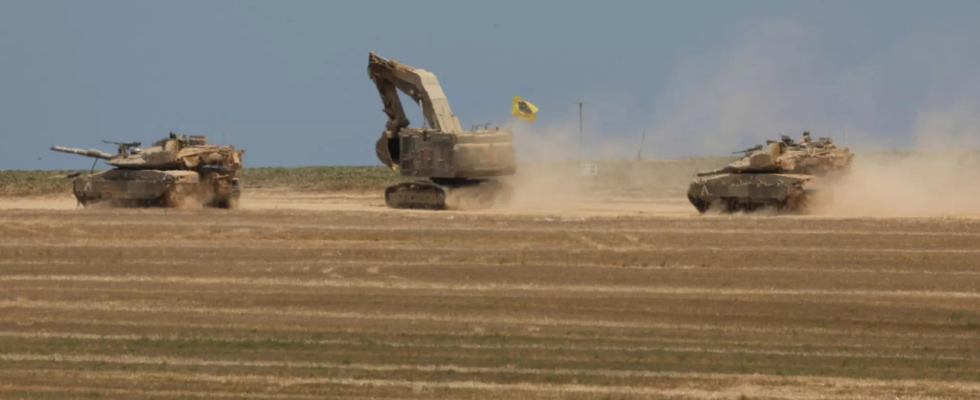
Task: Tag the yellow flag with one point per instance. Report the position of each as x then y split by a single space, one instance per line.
524 110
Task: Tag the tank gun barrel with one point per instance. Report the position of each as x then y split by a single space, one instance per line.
723 170
92 153
748 150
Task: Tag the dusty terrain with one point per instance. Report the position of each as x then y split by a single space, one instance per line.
333 296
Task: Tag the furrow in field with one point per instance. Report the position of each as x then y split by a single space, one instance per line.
496 346
101 391
461 287
724 386
422 317
475 339
137 264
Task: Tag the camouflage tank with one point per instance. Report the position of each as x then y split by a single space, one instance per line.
175 171
780 175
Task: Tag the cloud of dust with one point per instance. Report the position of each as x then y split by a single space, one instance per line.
941 173
714 104
772 81
548 174
781 78
941 177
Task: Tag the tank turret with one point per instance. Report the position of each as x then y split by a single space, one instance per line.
773 175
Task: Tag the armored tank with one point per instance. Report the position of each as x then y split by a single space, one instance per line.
782 174
174 171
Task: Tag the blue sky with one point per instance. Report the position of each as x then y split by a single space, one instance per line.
287 79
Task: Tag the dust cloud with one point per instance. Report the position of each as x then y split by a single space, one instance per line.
917 154
940 177
907 185
547 174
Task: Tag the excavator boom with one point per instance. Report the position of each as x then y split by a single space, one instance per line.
421 85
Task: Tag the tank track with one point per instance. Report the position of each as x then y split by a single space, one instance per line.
734 205
228 198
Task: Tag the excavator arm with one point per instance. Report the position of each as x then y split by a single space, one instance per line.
390 76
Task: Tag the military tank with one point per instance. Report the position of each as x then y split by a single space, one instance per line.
178 170
782 175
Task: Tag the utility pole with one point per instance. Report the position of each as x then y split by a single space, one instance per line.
639 153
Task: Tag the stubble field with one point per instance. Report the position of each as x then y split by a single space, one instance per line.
340 298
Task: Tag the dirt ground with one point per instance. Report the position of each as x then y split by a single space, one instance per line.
334 296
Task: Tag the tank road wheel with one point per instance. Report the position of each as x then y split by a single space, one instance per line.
732 205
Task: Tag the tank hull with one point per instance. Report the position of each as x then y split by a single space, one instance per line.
749 192
155 188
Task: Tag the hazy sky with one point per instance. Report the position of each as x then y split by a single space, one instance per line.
288 79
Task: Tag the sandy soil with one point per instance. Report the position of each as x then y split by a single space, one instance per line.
334 296
368 202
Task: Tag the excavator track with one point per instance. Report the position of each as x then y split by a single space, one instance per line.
416 195
448 194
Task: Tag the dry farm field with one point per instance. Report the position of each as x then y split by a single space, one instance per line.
613 289
366 303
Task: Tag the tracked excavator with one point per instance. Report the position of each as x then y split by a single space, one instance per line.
449 162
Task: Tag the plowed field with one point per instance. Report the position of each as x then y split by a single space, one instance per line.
359 302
